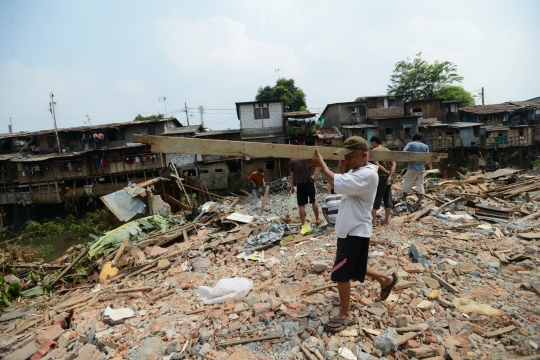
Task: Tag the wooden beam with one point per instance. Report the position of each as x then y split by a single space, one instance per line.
67 268
266 192
178 145
176 201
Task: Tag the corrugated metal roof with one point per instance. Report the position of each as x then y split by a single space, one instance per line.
463 124
359 126
217 132
489 109
35 158
183 130
85 128
299 113
496 128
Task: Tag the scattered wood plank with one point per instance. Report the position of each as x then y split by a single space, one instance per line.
142 289
263 204
421 213
308 353
70 266
265 284
496 254
245 341
120 250
177 202
446 284
500 331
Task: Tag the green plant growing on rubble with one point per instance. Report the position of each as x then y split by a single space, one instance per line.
465 170
536 163
8 293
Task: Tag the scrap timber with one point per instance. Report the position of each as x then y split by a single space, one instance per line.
175 145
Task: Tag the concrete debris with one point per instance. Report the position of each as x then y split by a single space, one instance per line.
468 288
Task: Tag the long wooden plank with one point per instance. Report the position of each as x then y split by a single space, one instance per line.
178 145
81 255
267 191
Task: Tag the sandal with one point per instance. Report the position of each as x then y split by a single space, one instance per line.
385 293
344 322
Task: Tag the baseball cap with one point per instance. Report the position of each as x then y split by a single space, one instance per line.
351 144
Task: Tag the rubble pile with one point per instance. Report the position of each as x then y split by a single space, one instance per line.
238 283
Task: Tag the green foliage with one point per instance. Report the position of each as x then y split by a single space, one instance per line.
146 118
45 251
536 163
94 222
8 292
465 170
419 79
453 92
294 98
47 229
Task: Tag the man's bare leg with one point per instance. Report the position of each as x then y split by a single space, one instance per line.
386 216
384 280
420 197
374 217
302 210
344 291
315 208
404 195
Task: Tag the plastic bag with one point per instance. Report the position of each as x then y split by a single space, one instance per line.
224 289
467 306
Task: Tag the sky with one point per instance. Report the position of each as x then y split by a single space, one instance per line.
112 60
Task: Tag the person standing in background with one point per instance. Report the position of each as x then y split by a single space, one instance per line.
305 187
384 188
474 156
415 170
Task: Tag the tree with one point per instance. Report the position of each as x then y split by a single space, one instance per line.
146 118
453 92
420 80
293 97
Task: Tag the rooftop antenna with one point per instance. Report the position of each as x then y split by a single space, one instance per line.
277 70
51 109
164 99
89 122
201 111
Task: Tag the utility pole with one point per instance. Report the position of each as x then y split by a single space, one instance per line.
51 109
88 117
187 115
277 70
164 99
10 126
482 95
201 111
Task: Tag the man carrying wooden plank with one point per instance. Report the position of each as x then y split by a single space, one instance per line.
415 170
353 226
305 187
384 189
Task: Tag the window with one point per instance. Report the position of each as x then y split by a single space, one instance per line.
261 113
520 132
380 102
391 102
271 164
417 110
389 131
362 110
204 171
115 135
500 133
218 170
152 129
476 131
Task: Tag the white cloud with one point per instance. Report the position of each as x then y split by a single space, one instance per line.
221 44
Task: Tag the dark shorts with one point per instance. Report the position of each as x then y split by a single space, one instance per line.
384 193
305 191
351 259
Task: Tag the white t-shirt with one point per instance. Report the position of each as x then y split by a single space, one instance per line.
358 189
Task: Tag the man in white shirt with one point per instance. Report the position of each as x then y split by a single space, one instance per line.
353 225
